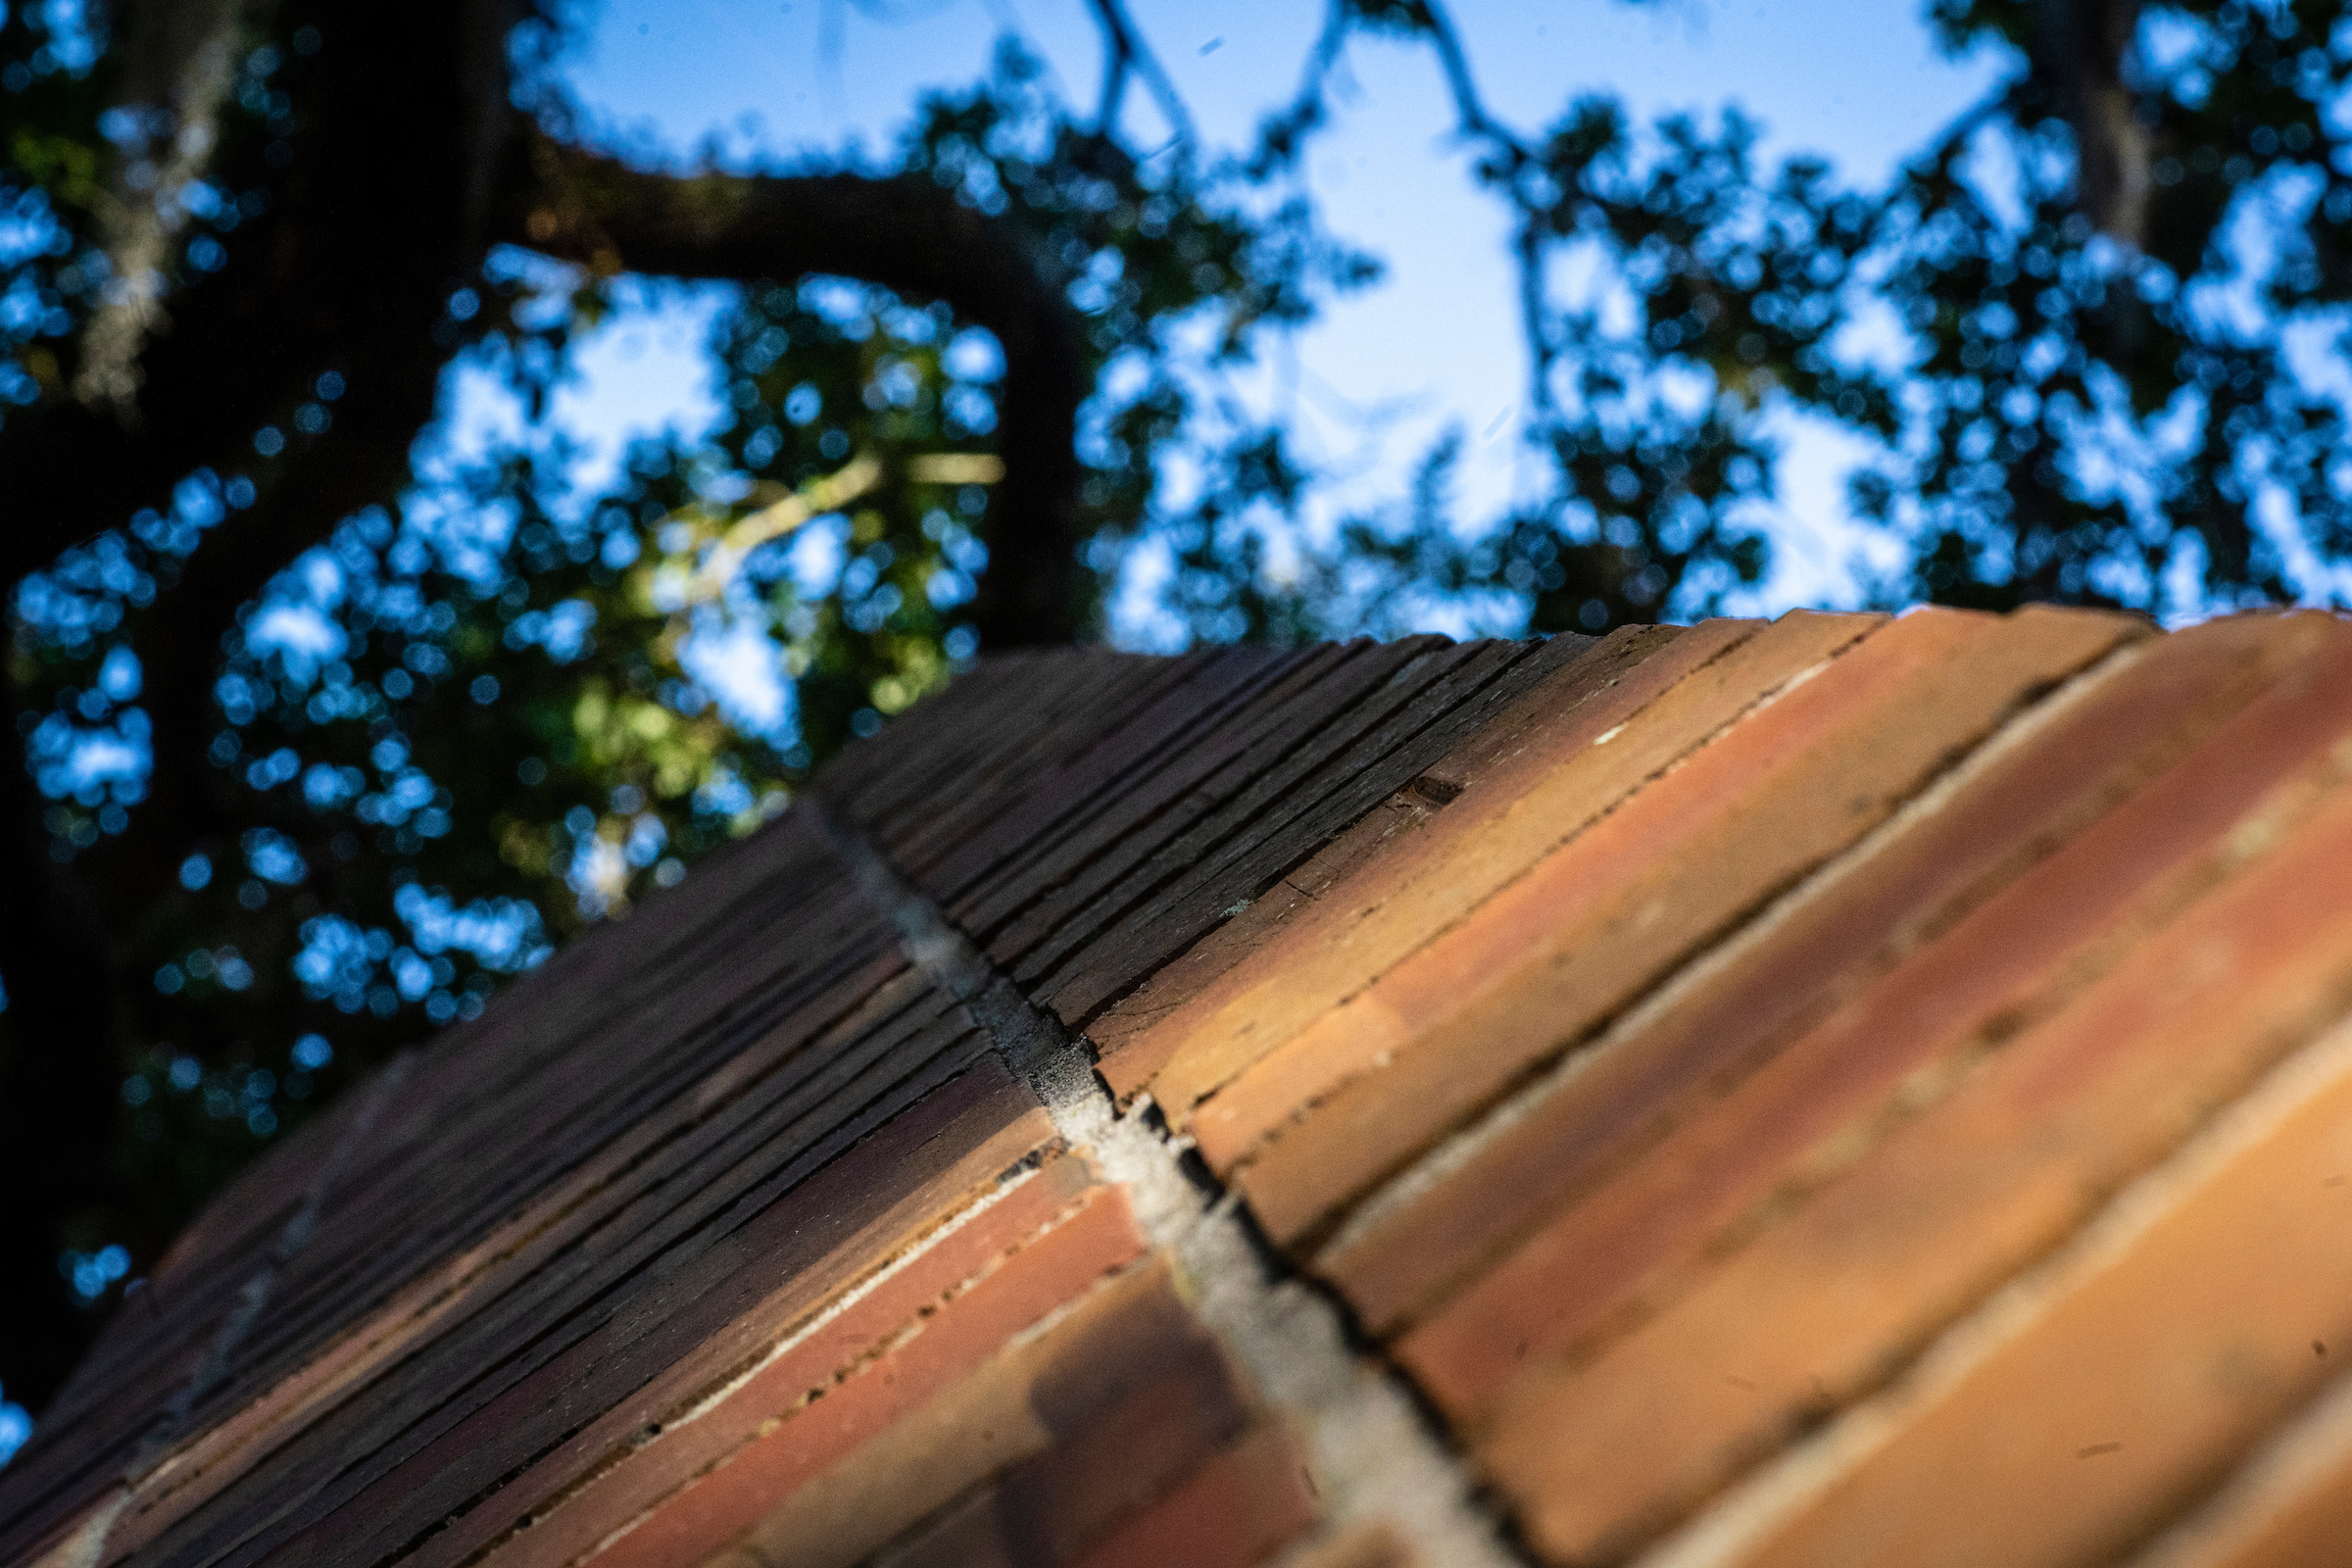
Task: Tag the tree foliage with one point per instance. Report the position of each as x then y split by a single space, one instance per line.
323 730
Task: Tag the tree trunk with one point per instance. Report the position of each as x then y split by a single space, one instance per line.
2084 53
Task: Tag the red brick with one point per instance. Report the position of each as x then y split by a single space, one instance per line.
1337 773
1231 1512
2015 956
1639 1081
1135 1443
1127 1429
1131 1048
980 1428
1875 1260
1047 816
691 1255
1241 776
1580 936
873 1201
1519 747
1327 1036
1500 760
731 1500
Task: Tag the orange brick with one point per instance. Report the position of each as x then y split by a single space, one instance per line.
1130 1046
2289 1505
2069 1430
1485 838
1990 973
1518 748
1599 751
1557 953
1825 1303
1638 1082
1500 760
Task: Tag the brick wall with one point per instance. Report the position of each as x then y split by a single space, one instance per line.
1843 1090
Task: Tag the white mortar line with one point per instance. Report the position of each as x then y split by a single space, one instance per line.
1374 1454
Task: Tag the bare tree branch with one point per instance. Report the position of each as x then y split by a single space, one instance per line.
1281 141
1282 135
1475 122
61 1070
1123 51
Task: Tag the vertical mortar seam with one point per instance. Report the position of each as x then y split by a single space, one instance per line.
1375 1451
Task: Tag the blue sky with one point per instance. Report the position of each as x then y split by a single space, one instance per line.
1436 343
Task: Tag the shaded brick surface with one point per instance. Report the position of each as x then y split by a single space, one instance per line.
595 1242
1235 1509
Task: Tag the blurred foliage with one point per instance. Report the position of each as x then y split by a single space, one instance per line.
2083 421
501 705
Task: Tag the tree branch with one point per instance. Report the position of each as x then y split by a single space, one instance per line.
1124 50
1475 122
2082 47
409 105
904 233
176 71
181 640
61 1069
322 282
1280 136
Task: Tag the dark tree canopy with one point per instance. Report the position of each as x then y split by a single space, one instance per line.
321 732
